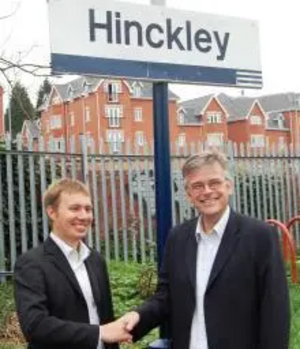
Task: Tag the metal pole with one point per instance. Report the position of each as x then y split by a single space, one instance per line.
162 176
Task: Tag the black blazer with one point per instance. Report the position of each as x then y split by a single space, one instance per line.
51 308
246 301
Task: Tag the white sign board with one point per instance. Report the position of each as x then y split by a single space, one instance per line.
111 38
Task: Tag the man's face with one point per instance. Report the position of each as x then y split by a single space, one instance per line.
72 218
208 190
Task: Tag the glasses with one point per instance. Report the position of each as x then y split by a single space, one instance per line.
213 184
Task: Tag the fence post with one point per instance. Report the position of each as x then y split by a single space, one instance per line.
84 158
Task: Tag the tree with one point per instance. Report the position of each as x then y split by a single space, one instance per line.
20 109
43 91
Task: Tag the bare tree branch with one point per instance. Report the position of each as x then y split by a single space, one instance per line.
12 13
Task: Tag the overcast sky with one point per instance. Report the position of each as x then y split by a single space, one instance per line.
25 35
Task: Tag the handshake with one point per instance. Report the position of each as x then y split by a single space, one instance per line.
119 331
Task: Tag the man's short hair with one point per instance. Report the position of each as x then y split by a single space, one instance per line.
52 195
197 161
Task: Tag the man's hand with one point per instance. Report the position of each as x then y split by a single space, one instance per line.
115 332
130 320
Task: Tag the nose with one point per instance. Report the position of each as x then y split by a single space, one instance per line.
84 214
206 189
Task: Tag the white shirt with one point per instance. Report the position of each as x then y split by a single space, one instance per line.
76 260
208 245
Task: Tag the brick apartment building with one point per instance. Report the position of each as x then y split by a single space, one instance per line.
110 112
272 120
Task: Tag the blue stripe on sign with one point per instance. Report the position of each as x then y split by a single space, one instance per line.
83 65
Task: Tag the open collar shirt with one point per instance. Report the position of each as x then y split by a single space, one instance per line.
208 245
76 259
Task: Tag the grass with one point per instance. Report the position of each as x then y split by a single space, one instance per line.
131 283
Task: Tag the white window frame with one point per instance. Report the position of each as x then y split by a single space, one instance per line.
255 120
215 139
214 117
113 89
114 114
55 122
115 138
87 113
139 138
138 114
72 118
181 140
137 90
257 141
180 118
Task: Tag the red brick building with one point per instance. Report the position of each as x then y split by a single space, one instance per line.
109 110
272 120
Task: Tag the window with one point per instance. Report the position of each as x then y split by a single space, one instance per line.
279 120
87 114
56 100
181 140
113 88
89 141
255 120
257 141
56 145
180 118
55 122
115 140
114 113
214 118
138 114
137 90
215 139
139 138
86 88
70 93
72 118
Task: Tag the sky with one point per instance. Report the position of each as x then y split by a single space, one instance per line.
24 36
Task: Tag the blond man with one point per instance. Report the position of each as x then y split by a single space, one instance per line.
62 289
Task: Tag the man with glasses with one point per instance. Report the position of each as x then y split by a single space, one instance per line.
222 283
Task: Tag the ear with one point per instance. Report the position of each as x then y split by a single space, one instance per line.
51 212
188 194
230 186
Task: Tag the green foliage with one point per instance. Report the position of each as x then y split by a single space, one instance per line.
7 305
20 109
295 311
124 281
44 90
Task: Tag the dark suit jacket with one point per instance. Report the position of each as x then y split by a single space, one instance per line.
246 301
51 308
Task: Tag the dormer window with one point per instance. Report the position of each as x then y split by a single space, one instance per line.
279 120
113 89
86 88
255 120
137 90
181 118
70 93
214 117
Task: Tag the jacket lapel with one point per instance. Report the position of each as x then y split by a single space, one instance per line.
228 242
55 255
191 251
